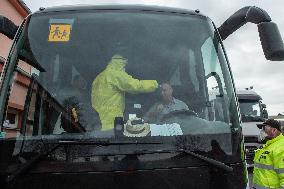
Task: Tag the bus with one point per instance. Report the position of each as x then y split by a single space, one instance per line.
195 142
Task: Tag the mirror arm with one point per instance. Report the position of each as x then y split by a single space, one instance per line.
238 19
7 27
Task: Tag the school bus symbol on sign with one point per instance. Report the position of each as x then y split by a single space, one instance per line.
59 32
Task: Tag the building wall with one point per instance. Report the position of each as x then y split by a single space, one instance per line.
17 99
8 10
13 10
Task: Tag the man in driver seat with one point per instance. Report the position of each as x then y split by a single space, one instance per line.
167 105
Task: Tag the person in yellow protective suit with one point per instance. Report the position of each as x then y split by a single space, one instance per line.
269 160
109 87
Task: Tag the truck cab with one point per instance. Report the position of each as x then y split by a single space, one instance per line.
253 112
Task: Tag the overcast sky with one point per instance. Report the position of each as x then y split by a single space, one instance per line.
249 66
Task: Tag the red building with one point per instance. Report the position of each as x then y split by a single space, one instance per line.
16 11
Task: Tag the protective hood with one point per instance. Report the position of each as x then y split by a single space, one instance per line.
117 62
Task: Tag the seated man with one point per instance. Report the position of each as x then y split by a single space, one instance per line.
167 105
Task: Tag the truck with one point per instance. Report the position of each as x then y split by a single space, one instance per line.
253 111
60 142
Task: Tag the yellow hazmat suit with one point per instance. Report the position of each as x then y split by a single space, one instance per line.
268 169
109 87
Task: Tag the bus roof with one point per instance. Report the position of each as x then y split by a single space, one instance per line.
144 8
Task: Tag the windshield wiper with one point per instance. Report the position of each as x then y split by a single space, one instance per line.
208 160
211 161
41 155
215 163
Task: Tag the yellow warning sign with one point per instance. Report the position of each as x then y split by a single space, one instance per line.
59 32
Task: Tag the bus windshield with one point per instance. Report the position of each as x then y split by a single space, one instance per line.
125 75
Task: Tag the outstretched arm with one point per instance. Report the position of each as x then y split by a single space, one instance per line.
127 83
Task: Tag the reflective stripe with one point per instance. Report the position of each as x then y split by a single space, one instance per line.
269 167
279 171
256 186
261 166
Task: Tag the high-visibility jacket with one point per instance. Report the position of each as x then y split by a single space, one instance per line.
109 87
269 164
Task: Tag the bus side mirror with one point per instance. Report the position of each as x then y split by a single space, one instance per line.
271 41
263 106
270 37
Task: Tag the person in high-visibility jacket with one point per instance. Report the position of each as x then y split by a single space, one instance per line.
269 160
109 87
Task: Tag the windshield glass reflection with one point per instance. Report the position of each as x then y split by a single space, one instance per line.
250 111
126 76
